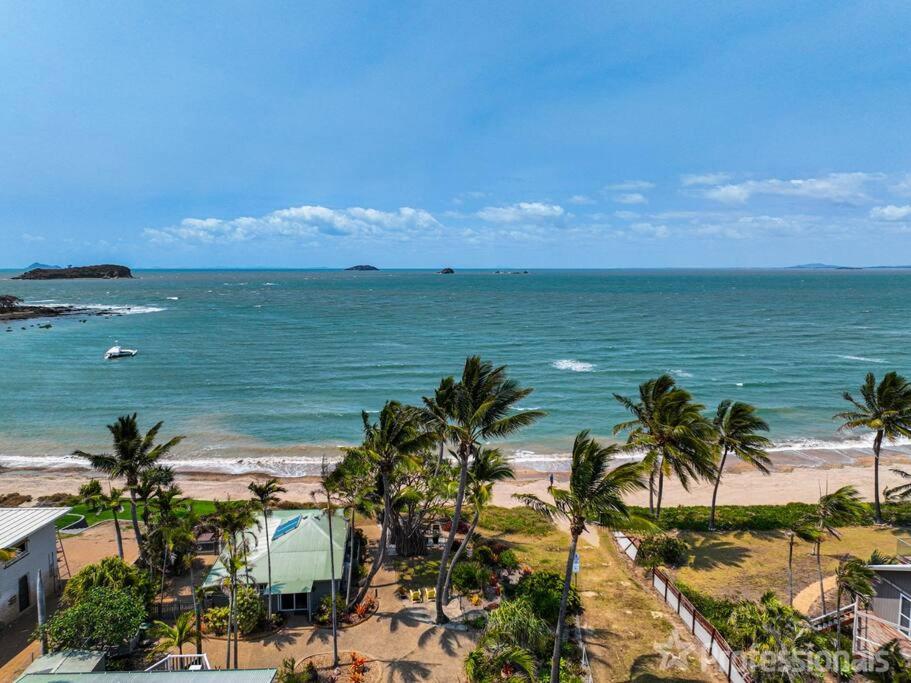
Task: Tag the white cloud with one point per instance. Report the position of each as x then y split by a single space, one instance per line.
626 215
890 212
29 237
581 199
650 230
903 186
691 179
301 222
630 185
631 198
521 212
836 187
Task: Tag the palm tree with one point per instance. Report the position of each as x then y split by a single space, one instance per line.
801 530
182 632
885 409
234 520
500 662
831 511
397 434
113 502
594 493
488 468
481 407
668 425
855 578
436 414
328 489
266 495
736 424
133 453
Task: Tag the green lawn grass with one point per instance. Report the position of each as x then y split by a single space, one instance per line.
200 507
518 520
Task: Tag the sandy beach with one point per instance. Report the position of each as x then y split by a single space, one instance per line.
788 482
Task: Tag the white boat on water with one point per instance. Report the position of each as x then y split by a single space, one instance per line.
119 352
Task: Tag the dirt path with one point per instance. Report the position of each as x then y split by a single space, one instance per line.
805 600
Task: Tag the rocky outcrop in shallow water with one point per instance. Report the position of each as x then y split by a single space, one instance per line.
105 271
365 267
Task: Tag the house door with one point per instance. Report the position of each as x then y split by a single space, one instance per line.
23 593
904 615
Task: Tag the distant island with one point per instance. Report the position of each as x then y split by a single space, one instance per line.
446 271
828 266
362 268
105 271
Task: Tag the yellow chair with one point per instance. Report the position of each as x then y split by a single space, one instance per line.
416 596
430 594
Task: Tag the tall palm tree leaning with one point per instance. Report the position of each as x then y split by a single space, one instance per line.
482 406
436 415
855 578
594 492
736 424
487 469
265 495
885 409
801 530
831 511
328 489
133 453
670 428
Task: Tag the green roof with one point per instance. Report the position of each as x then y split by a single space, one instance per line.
67 661
212 675
299 557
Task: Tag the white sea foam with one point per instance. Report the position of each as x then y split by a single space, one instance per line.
270 284
172 298
683 374
118 310
738 384
573 365
862 359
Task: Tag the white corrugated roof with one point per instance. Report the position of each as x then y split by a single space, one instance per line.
17 523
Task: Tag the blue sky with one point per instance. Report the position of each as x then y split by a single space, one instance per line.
467 134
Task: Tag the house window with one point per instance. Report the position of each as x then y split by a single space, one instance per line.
904 615
19 551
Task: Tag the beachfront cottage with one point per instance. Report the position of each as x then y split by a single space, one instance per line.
28 538
301 566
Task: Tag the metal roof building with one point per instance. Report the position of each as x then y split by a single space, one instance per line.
299 543
211 676
17 524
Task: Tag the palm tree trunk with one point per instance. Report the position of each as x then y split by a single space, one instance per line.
877 509
164 560
651 492
561 617
441 617
118 535
822 588
660 492
268 564
196 611
332 586
791 570
436 467
236 629
351 557
715 492
380 555
135 520
458 553
228 633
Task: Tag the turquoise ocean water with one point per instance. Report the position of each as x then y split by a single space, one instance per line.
266 370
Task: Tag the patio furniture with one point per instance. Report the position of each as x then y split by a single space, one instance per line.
430 594
416 596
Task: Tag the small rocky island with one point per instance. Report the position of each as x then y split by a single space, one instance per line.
446 271
12 308
104 271
365 267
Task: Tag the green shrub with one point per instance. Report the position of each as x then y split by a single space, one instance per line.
102 618
508 560
469 575
249 609
662 550
716 610
324 614
484 555
518 520
544 589
477 623
111 572
215 620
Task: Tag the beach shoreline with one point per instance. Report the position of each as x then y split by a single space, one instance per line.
741 485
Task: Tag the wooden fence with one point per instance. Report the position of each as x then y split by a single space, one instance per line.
731 664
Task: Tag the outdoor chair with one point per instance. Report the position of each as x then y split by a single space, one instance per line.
430 594
416 596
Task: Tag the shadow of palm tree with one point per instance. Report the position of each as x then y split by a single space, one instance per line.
407 671
642 671
409 617
447 639
321 635
710 553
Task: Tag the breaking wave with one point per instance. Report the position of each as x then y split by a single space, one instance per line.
573 365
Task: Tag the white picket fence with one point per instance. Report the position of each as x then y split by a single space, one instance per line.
729 661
